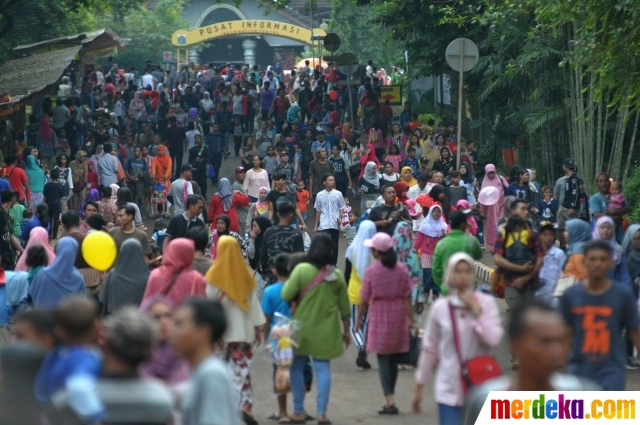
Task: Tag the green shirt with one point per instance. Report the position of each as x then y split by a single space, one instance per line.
16 213
320 312
455 241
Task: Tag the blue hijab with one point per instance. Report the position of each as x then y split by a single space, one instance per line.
60 279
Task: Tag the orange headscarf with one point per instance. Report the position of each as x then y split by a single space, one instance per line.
161 165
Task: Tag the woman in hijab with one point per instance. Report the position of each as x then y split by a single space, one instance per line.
223 228
174 278
403 236
468 180
136 106
447 162
578 233
126 281
401 189
358 258
256 235
260 208
60 279
472 225
534 197
93 180
368 156
465 314
227 201
495 211
37 180
47 140
37 237
161 166
95 158
369 185
79 177
165 365
406 174
92 196
605 230
231 282
432 229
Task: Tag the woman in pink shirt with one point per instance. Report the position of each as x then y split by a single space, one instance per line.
479 330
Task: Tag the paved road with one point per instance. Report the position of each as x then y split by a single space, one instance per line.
356 395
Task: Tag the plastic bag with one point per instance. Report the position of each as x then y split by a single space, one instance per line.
211 171
306 240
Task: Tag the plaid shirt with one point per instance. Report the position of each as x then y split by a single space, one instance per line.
533 246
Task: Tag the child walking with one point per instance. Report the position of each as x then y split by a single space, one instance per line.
432 229
53 193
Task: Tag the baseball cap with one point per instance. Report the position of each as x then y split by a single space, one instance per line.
284 153
545 225
424 160
240 169
380 242
570 163
186 167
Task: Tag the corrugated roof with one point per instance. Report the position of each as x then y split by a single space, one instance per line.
94 40
31 74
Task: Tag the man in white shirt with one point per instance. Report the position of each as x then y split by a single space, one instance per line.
329 205
147 79
191 134
64 89
180 189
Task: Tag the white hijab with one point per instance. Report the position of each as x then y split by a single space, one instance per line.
434 228
359 255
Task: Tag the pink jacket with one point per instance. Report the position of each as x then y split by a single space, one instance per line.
477 336
426 244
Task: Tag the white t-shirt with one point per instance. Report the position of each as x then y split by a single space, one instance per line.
117 108
147 80
191 137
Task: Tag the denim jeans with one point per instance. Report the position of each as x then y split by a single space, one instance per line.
429 283
323 377
449 415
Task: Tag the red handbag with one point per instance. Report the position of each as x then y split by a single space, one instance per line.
477 370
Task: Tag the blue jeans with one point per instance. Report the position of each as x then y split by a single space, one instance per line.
429 283
449 415
323 377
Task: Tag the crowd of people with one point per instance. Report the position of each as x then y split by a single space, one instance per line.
188 305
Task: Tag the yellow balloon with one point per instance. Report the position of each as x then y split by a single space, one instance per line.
99 250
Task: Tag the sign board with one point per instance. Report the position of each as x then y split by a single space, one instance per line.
465 48
184 38
391 93
332 42
167 56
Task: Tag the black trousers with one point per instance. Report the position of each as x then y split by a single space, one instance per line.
176 159
335 239
388 369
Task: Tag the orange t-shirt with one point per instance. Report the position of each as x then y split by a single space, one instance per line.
303 198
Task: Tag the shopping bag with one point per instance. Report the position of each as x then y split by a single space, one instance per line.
211 171
306 240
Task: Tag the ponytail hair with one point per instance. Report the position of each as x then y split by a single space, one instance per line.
43 214
388 258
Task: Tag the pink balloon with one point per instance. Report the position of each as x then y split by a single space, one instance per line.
489 196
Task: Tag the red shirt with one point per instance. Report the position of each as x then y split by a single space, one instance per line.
281 105
18 180
216 209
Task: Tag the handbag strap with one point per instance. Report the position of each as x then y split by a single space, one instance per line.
454 326
170 286
322 274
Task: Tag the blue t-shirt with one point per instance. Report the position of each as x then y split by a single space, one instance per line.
520 192
266 98
548 210
598 321
4 185
413 164
273 303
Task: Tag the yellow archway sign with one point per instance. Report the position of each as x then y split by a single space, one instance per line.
183 38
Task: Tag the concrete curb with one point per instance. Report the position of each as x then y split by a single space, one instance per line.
483 273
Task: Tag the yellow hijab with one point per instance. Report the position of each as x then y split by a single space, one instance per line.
412 181
230 274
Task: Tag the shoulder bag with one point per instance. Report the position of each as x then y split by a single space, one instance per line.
170 285
477 370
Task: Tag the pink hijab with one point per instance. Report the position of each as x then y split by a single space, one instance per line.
46 132
496 182
38 236
177 260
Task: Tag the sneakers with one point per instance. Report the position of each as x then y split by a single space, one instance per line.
632 363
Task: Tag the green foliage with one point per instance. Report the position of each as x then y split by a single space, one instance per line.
149 31
632 193
362 33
